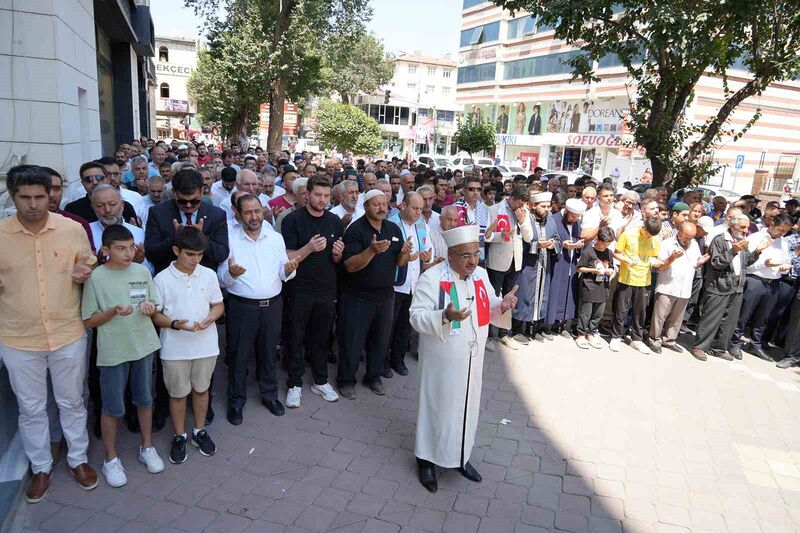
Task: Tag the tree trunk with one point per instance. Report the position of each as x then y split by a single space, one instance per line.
661 173
275 133
345 97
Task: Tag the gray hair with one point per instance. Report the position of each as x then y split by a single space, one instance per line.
426 188
411 195
631 194
298 184
154 179
105 187
734 220
135 160
348 183
269 170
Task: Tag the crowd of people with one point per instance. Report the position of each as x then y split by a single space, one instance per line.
304 261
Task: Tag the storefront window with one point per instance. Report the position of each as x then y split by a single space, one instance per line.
572 159
587 161
105 92
556 155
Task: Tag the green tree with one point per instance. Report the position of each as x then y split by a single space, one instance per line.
473 136
348 129
667 46
354 64
290 60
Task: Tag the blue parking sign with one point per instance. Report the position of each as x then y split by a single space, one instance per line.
740 161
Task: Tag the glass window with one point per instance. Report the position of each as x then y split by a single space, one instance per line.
431 71
475 73
481 34
472 3
527 25
445 116
163 54
446 73
164 90
539 66
403 116
429 89
412 69
445 91
374 111
412 85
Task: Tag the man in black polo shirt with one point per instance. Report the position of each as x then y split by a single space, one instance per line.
373 247
92 174
313 235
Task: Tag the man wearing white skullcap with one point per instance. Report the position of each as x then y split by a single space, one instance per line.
452 307
564 287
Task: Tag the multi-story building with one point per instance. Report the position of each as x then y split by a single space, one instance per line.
175 110
510 71
417 110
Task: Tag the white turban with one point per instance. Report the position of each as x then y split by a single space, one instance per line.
576 206
542 197
461 235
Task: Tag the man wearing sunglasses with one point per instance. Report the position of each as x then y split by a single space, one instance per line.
92 174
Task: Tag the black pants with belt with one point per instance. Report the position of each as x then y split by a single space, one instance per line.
310 320
252 327
778 321
757 303
363 325
401 329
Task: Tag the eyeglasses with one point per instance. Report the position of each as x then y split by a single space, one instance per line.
189 202
93 178
466 257
474 189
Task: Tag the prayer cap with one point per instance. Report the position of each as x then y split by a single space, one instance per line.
574 205
461 235
542 197
372 194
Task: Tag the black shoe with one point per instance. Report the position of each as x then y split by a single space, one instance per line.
427 476
759 352
209 415
469 472
159 421
674 347
735 351
235 415
275 407
401 368
377 387
547 336
387 372
789 362
177 454
522 339
538 337
204 443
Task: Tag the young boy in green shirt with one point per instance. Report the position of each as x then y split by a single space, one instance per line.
118 300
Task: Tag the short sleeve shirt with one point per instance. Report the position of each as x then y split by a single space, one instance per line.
376 280
317 272
188 297
641 248
594 288
677 279
123 338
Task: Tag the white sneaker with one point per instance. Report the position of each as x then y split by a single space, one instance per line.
149 456
614 345
509 343
326 391
293 397
640 347
491 344
114 473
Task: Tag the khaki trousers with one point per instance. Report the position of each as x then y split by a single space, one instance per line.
667 318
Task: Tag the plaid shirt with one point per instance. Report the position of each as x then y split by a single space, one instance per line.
793 242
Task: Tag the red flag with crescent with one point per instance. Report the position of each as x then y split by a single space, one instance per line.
482 302
462 215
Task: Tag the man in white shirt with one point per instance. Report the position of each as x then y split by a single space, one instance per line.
224 187
678 258
107 205
430 216
763 283
253 275
448 220
603 214
411 226
114 178
347 209
370 180
270 190
155 193
246 181
158 155
407 184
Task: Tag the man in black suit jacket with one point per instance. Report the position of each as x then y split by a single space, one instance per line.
163 220
92 174
186 208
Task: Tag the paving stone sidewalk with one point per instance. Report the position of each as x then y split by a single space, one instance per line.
569 439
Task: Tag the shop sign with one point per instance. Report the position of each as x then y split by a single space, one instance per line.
173 70
594 140
480 54
178 106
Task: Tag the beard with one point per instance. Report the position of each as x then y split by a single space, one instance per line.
111 220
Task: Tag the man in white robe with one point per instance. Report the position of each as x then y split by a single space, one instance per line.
451 309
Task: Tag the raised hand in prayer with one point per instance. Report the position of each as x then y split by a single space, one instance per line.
379 247
509 300
234 269
456 315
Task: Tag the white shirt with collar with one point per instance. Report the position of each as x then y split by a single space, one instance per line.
265 198
188 297
264 260
778 252
132 197
219 193
676 280
227 205
137 232
144 209
433 222
414 268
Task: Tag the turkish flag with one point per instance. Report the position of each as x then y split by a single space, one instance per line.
462 215
482 301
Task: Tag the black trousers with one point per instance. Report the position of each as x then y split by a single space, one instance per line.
778 322
310 320
792 347
249 328
401 329
757 303
363 325
502 283
636 299
692 313
589 317
718 316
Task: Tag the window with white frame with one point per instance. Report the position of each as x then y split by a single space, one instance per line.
431 71
445 91
446 73
412 69
429 89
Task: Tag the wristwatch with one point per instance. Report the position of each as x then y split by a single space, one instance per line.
172 325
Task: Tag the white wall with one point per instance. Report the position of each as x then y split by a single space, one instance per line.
47 57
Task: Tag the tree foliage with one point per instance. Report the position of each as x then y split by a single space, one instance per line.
473 136
667 46
348 129
354 64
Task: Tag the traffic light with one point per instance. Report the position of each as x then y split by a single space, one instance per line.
386 96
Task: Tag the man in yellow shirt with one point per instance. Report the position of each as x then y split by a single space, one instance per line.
637 252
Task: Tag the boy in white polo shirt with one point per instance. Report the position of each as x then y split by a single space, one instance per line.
192 303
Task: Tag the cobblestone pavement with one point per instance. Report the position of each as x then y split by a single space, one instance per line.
569 439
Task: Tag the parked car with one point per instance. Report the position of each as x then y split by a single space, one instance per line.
710 190
571 176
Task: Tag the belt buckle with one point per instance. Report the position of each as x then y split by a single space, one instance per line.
263 303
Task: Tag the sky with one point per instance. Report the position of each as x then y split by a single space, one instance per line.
430 26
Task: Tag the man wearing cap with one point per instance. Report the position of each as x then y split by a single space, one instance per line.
564 285
509 225
679 213
373 248
538 258
452 307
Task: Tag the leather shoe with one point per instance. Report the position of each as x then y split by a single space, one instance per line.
85 476
469 472
235 415
400 367
377 387
275 407
699 354
427 476
760 353
37 487
735 352
209 415
387 372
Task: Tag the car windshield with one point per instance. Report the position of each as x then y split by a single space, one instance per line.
466 161
720 192
501 168
442 162
517 170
